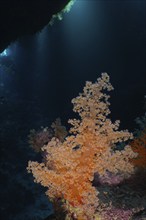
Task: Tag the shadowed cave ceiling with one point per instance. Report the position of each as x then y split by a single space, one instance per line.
25 17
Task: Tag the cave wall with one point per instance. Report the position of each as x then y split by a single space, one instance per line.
25 17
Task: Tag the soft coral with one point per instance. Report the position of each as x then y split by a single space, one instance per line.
70 165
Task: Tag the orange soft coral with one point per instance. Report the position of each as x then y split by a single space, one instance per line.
139 146
70 165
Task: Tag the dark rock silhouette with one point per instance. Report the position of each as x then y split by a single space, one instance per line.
24 17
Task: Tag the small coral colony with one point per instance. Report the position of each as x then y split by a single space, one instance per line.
93 171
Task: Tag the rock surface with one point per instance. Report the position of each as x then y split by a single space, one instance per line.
25 17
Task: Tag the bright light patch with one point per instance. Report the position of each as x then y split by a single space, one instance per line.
68 6
59 15
4 53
